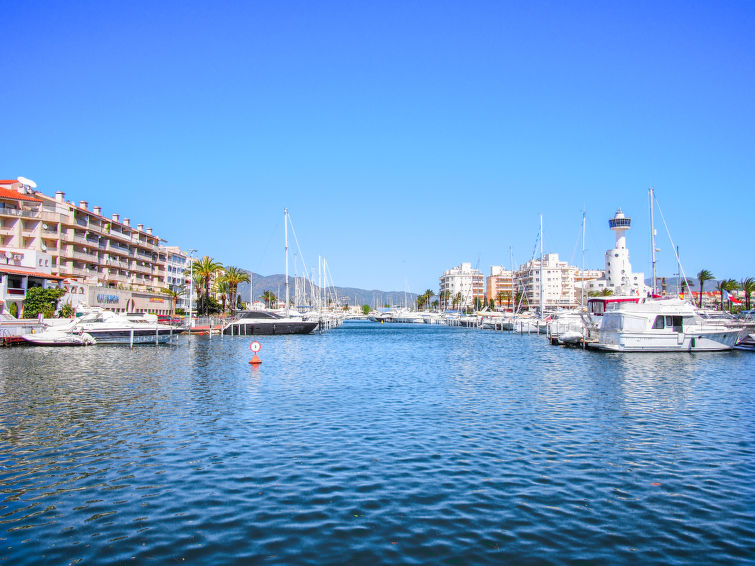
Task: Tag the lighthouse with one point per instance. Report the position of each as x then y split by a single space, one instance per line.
618 275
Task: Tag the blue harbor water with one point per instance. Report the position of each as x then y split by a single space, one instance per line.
375 444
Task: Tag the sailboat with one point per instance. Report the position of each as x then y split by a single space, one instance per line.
265 322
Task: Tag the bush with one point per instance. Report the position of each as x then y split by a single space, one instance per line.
66 311
41 301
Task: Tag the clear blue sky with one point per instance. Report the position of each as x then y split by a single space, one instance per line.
404 137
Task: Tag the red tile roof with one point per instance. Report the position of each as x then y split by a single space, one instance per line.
11 194
17 271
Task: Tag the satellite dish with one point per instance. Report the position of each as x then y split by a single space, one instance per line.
27 182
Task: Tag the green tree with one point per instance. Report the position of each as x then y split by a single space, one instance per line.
727 285
269 298
445 296
366 309
41 301
748 286
234 276
428 294
702 277
66 311
174 294
222 288
206 268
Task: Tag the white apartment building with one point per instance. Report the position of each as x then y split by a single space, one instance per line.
558 283
461 280
82 244
177 273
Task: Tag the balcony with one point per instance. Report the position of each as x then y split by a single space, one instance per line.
143 269
115 278
118 235
84 256
19 212
116 262
112 250
51 216
75 271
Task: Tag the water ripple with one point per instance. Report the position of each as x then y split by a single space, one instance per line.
380 443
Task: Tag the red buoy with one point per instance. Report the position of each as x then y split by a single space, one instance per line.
255 347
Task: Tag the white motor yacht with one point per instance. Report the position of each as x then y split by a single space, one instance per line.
662 325
107 327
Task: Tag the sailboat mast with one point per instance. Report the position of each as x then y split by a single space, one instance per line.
651 196
285 239
542 286
582 298
512 300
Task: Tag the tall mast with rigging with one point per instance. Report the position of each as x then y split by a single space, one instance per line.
651 196
285 241
542 283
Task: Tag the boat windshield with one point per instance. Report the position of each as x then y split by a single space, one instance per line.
258 315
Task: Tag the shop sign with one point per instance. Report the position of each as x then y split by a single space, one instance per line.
107 299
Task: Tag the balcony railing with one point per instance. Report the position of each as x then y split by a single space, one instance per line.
22 212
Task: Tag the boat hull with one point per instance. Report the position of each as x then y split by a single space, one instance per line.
669 342
145 336
257 328
54 338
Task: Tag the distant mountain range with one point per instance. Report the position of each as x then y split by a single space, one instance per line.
346 295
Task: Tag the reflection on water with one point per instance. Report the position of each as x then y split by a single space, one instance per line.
382 443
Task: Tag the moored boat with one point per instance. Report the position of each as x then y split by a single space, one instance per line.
106 327
662 325
251 323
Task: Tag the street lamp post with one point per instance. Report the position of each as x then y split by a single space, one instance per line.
191 287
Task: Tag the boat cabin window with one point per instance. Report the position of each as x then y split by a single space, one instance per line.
673 322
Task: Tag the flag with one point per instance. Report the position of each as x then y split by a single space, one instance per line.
729 297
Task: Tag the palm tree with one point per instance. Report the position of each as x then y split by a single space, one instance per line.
174 294
702 277
207 268
234 276
748 286
726 285
685 286
445 296
427 295
456 300
223 288
269 298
